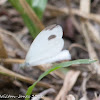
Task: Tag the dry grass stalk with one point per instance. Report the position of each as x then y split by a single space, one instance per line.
83 87
92 53
54 11
76 24
91 50
85 6
68 2
3 53
70 79
76 45
18 41
20 61
41 67
12 61
25 79
93 33
32 14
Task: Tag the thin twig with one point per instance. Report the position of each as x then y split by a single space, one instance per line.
31 14
83 86
69 82
41 67
93 33
76 45
19 42
25 79
92 53
12 61
3 53
54 11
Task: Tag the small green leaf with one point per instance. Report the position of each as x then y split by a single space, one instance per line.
64 64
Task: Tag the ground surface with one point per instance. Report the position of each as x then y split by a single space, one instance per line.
88 81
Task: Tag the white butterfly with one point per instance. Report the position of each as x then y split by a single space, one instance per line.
47 47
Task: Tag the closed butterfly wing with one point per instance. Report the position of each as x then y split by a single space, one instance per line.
47 44
63 55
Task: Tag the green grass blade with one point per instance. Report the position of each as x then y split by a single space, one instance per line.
38 6
64 64
32 28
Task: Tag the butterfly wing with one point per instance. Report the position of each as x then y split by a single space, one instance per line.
63 55
44 47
